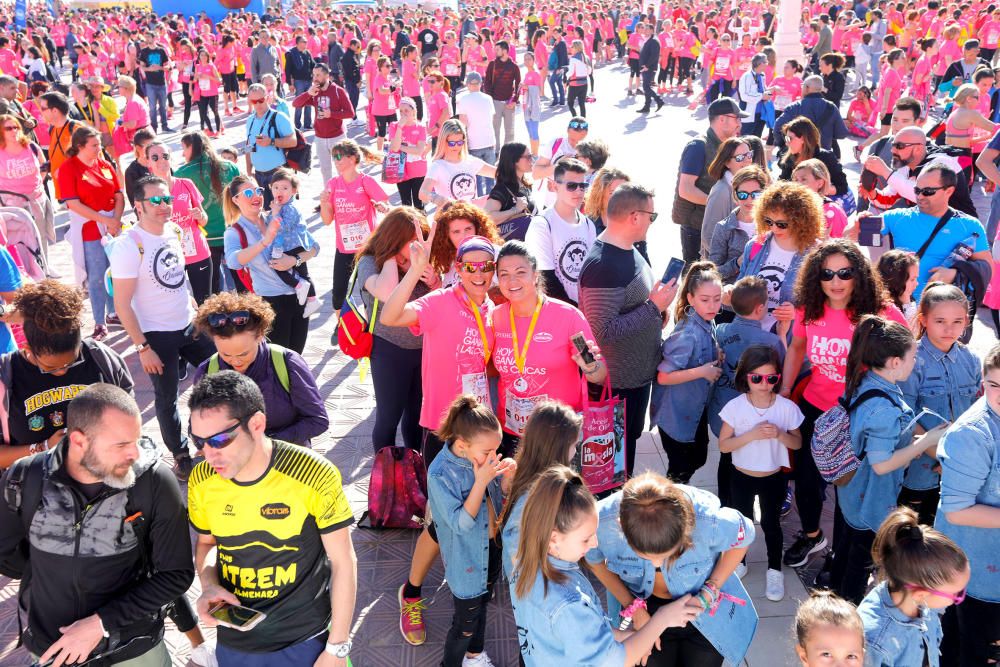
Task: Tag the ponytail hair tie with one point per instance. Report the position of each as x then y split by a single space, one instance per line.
912 532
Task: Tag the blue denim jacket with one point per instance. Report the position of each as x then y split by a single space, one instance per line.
752 266
726 245
734 338
970 475
565 625
511 535
893 639
947 383
465 542
877 428
677 408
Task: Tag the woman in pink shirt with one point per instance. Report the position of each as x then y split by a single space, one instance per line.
410 137
410 57
473 55
135 116
370 68
534 367
950 52
920 86
723 67
890 88
438 110
184 62
21 173
540 49
989 36
383 104
225 60
665 77
206 81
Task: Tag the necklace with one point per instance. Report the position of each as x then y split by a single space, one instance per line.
761 413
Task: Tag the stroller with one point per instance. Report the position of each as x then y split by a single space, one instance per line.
19 234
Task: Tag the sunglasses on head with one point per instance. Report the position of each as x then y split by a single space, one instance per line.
237 318
573 186
577 125
457 142
846 273
927 192
958 598
489 266
220 440
780 224
742 195
771 378
250 192
157 157
156 200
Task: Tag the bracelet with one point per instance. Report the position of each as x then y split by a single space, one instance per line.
630 610
704 599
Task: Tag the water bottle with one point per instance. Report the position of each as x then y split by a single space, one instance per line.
961 252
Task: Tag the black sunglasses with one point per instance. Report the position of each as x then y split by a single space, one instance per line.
742 195
846 273
780 224
573 186
220 440
757 378
900 145
928 192
237 318
576 125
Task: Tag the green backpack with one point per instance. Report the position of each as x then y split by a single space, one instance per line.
277 362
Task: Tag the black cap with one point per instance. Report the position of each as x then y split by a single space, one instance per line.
725 106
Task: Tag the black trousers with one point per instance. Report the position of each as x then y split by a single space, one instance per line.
186 91
398 394
685 458
217 254
577 94
636 405
810 489
771 491
206 103
971 634
343 263
200 276
468 623
647 90
724 479
924 503
290 328
409 191
853 563
681 646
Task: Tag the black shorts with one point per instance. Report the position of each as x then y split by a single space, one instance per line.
242 76
230 84
633 67
383 123
887 120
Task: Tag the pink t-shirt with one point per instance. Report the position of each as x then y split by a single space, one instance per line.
453 359
725 62
225 58
435 105
549 370
187 199
889 90
354 210
451 61
412 135
20 172
411 82
990 33
206 79
136 110
383 103
828 342
836 219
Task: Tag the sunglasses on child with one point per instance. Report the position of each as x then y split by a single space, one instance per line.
237 318
780 224
220 440
743 195
489 266
846 273
156 200
958 598
577 125
771 378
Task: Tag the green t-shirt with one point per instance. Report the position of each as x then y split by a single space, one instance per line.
198 172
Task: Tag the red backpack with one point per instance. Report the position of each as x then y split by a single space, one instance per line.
397 490
244 273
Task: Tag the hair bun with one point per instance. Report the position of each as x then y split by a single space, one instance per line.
911 531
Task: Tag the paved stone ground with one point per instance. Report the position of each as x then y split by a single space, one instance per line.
647 147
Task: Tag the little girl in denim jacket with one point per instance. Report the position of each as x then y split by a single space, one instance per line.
921 573
882 438
689 369
560 620
465 495
946 380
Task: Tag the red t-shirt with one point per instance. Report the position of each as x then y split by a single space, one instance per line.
95 186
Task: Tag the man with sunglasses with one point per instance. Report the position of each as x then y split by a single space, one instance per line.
561 237
273 533
152 298
268 132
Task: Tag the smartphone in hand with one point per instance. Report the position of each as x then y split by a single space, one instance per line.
581 346
674 269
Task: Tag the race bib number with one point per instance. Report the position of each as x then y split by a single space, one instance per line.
451 69
517 409
722 63
204 85
477 385
782 101
187 242
353 235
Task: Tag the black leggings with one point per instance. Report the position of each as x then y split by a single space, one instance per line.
684 69
853 563
382 122
636 405
666 74
577 94
468 624
290 328
200 276
681 646
685 458
810 489
186 91
419 101
923 502
771 491
409 191
204 104
971 634
343 263
217 254
398 393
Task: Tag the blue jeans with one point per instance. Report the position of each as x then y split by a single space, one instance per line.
876 70
301 87
483 183
304 653
558 89
157 98
95 262
354 94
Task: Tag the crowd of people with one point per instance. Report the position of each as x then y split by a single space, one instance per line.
812 330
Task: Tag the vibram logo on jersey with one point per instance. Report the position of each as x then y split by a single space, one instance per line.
275 511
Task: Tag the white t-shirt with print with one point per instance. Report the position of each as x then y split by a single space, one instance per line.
455 180
561 246
761 455
773 271
161 300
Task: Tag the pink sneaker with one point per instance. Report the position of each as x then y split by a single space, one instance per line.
411 619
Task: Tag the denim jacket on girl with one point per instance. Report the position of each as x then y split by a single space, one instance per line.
465 542
877 429
565 625
970 475
893 639
511 535
753 263
726 246
677 408
947 383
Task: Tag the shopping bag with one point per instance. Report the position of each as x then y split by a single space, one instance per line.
600 458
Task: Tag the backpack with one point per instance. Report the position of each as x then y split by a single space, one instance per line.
397 490
831 442
299 156
278 363
355 327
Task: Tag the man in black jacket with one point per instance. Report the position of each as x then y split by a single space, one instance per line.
92 583
649 60
352 73
299 66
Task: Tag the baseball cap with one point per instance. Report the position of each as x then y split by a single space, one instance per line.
725 106
473 78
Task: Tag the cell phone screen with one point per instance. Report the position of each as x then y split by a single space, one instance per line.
674 269
236 617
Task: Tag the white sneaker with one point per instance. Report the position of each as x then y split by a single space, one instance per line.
740 570
481 660
312 307
775 589
302 291
204 655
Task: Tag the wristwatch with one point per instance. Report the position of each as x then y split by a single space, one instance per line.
139 347
341 650
299 261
